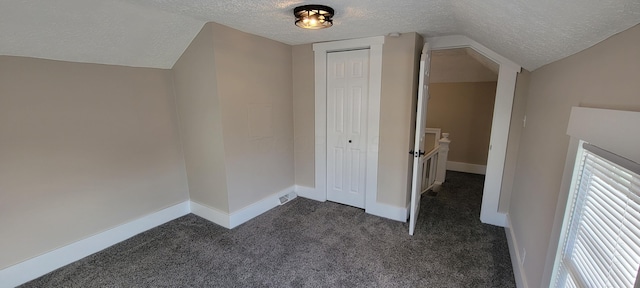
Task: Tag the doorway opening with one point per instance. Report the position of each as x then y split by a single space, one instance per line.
462 97
500 123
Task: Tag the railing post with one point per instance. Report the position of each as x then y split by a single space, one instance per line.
443 154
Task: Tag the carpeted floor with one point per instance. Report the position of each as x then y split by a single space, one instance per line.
306 243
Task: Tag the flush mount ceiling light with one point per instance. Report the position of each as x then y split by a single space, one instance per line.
313 16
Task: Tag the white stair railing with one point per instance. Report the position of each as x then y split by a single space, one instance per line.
429 165
441 173
434 167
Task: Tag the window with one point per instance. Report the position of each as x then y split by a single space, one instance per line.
601 233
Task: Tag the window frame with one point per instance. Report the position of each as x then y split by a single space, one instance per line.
575 207
594 126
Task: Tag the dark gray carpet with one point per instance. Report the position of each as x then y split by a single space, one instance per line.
310 244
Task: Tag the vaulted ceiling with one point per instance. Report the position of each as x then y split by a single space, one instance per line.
154 33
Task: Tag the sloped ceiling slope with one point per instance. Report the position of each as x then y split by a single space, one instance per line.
95 31
154 33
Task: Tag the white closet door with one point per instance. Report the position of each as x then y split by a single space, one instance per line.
347 96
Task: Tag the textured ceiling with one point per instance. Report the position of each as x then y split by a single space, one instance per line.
154 33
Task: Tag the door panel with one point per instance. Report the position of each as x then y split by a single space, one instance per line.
338 168
347 95
421 119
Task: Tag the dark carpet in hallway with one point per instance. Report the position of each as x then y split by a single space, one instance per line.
306 243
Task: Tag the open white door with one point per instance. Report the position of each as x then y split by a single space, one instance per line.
421 120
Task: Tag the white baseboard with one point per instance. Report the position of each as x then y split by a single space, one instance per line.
516 258
467 167
495 218
212 214
378 209
234 219
310 193
249 212
35 267
388 211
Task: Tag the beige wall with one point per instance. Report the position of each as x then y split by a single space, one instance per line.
303 114
200 115
513 142
456 65
400 56
84 148
465 110
235 105
254 76
603 76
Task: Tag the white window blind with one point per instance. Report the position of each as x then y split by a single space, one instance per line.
601 246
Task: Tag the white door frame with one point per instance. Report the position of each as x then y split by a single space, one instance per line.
374 44
499 127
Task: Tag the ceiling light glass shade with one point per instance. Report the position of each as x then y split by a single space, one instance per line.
313 16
